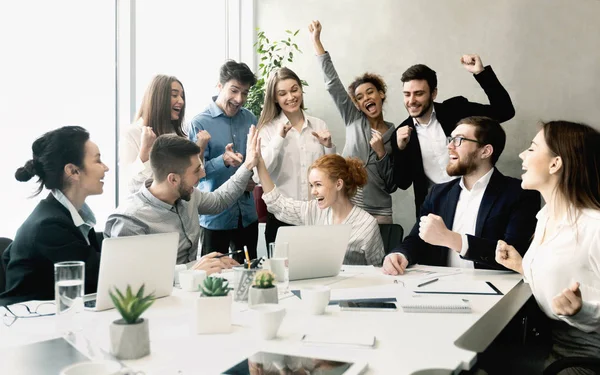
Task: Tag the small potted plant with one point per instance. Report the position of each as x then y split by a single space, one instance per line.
129 338
213 307
263 290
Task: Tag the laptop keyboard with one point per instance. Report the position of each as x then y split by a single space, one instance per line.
90 303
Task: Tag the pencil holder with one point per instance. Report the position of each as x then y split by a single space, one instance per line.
242 280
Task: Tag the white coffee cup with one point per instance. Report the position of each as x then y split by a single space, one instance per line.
315 298
190 280
268 318
93 368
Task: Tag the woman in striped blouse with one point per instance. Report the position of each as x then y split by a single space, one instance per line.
333 182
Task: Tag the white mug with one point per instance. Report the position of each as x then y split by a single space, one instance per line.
190 280
93 368
268 319
315 298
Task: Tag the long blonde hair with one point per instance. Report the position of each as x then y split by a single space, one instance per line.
271 108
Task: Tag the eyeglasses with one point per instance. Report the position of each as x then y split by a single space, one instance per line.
457 141
22 311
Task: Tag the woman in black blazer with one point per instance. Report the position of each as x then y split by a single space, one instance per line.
60 228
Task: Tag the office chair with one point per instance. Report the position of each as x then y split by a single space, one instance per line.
4 242
568 362
391 234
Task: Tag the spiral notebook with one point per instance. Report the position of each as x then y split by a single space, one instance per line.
435 304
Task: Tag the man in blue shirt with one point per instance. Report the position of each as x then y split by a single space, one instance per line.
228 125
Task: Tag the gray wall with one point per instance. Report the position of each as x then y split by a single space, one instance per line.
545 52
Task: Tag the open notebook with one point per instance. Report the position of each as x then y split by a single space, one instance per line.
435 304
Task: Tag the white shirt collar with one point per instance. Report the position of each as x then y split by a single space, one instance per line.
83 217
482 183
431 119
282 119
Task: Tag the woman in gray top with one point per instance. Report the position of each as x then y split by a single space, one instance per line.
367 134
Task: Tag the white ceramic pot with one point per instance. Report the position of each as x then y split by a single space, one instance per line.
257 296
129 341
212 314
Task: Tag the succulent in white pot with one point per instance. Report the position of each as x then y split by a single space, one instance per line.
129 336
212 311
263 290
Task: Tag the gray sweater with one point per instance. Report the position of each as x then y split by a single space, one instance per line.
143 213
376 193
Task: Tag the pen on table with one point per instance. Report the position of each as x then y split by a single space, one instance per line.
228 254
427 282
247 256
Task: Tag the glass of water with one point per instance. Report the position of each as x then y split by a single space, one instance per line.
279 265
68 294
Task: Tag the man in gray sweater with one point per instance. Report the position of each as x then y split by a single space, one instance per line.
171 202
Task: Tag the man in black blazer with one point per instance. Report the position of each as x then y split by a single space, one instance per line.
48 236
462 220
420 159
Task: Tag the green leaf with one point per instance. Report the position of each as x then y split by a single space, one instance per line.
296 33
288 31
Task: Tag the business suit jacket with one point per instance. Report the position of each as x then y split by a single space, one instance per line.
47 236
507 212
408 163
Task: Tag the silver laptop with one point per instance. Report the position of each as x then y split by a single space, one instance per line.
135 260
315 250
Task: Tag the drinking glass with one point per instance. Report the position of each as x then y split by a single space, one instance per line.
68 293
279 265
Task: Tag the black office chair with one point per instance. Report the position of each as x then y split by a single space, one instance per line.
391 234
4 242
569 362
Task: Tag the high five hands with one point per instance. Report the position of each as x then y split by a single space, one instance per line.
472 63
253 155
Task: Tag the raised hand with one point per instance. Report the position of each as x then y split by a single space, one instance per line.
232 158
253 154
285 128
403 136
568 302
315 30
202 139
146 141
433 230
376 143
324 138
509 257
315 34
472 63
394 264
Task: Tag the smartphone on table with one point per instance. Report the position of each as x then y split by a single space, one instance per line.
365 305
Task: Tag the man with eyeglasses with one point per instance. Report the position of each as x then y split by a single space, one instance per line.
420 159
462 220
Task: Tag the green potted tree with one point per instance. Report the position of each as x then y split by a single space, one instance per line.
129 336
273 55
212 312
263 290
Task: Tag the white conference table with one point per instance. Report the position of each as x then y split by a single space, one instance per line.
407 343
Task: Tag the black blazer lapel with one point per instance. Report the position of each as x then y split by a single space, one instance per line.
487 202
449 207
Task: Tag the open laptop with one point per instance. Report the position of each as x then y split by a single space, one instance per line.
314 250
135 260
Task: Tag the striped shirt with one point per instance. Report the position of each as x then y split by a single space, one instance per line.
365 246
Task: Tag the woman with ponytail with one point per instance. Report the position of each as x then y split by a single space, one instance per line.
333 181
60 228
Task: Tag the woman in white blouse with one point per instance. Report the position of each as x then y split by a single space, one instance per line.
161 112
562 265
333 181
290 139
